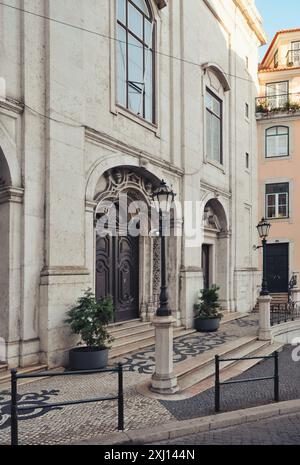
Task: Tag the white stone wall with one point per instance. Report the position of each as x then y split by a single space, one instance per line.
68 75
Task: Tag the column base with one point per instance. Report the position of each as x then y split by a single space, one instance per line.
164 385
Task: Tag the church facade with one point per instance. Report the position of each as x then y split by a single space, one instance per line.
106 99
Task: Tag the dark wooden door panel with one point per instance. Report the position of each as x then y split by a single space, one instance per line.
127 278
278 267
104 263
117 274
205 265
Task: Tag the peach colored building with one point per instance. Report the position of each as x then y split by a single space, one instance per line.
278 115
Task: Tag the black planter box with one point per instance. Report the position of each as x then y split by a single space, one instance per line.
88 358
207 325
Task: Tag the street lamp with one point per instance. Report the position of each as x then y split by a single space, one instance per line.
163 198
263 229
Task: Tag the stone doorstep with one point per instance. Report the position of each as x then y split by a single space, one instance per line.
177 429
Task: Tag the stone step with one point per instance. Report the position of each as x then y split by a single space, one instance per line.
140 335
113 327
228 317
202 367
5 376
123 332
142 343
3 367
237 368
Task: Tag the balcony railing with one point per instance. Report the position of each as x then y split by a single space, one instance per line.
283 103
293 58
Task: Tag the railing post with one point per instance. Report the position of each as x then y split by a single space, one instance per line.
217 384
13 409
276 376
265 330
120 398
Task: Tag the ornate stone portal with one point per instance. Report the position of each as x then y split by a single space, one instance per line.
138 187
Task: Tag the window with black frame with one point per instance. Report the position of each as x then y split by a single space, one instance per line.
135 58
277 200
277 141
213 127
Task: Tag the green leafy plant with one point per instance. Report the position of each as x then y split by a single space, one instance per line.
208 305
89 318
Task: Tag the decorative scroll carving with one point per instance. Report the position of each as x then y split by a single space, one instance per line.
210 220
122 180
161 3
156 266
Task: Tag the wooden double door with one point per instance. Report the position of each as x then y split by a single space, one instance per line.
117 274
278 267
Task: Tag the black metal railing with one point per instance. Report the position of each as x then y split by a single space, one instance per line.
289 103
218 383
16 407
282 313
293 58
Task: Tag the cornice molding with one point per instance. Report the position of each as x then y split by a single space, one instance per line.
251 14
119 146
11 194
12 105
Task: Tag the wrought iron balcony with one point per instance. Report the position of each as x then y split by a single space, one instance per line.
276 104
293 58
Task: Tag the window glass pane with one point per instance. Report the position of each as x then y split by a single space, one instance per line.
135 21
282 211
271 212
271 200
282 199
148 33
121 10
216 139
282 130
213 104
135 62
149 87
271 132
208 136
121 66
216 107
141 4
277 188
282 146
135 76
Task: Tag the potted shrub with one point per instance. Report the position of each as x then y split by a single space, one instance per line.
89 318
207 311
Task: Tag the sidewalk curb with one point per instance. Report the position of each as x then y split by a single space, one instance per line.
177 429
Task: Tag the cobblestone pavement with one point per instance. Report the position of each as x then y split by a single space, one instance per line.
193 345
283 430
238 396
77 423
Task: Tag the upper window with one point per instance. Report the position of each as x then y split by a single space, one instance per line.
277 141
135 57
213 127
277 94
277 200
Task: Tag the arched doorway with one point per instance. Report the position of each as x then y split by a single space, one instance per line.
215 250
126 255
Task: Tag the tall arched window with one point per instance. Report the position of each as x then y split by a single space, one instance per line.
277 141
135 57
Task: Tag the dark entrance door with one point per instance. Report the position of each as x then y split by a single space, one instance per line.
117 274
278 267
205 265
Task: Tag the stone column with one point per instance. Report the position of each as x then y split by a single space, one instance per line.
164 381
265 329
